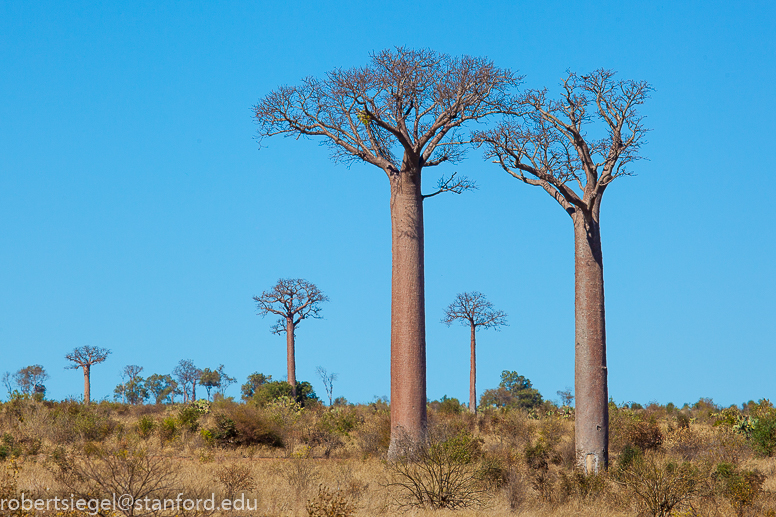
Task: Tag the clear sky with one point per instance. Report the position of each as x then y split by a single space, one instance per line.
137 212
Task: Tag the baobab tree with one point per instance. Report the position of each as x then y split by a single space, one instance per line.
547 145
475 311
402 112
85 357
292 300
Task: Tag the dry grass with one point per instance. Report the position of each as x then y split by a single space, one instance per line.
525 464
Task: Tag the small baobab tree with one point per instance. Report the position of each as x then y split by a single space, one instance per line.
476 312
402 113
292 300
85 357
548 144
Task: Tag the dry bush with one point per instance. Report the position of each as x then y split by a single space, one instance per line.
245 425
299 473
516 490
658 485
628 427
441 472
708 444
235 479
374 435
513 427
329 503
123 469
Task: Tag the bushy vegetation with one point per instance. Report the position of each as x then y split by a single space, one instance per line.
693 461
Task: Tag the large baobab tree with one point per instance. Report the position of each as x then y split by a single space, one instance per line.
292 300
402 112
85 357
547 145
475 311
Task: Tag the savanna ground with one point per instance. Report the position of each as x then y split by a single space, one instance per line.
700 460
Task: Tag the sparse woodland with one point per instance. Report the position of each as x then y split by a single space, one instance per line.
508 452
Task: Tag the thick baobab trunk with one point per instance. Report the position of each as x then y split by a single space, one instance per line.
87 383
473 375
291 354
590 384
408 316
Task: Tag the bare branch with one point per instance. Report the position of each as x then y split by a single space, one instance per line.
407 101
292 299
473 309
545 143
86 356
453 184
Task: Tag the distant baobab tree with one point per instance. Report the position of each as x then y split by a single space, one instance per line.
293 300
475 311
547 145
402 112
85 357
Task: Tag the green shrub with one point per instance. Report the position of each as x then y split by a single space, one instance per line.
269 392
188 417
145 426
739 487
763 432
340 420
225 430
9 447
629 455
168 429
450 406
87 424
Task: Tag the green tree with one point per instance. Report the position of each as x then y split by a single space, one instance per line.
209 379
273 390
514 391
133 390
162 387
255 381
30 380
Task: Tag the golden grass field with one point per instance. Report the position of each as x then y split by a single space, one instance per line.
510 463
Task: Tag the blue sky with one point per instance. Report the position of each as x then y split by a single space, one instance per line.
137 212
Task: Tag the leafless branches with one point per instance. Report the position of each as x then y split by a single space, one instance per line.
453 184
546 143
328 381
292 299
86 356
473 309
405 102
